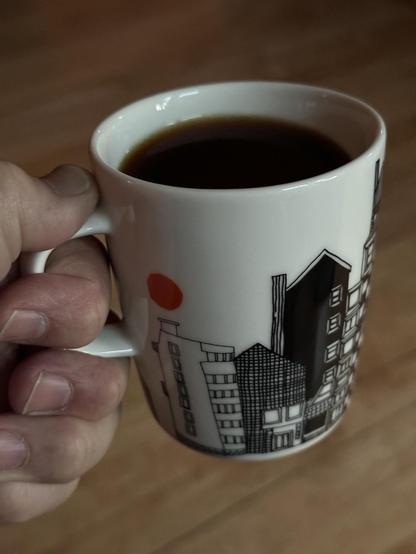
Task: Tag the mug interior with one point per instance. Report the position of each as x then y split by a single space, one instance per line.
352 124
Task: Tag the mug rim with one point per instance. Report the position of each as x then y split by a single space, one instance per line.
105 124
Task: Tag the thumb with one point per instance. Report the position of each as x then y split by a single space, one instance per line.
37 214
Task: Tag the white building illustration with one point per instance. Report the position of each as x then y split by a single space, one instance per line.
203 375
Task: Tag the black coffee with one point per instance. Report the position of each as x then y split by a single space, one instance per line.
233 152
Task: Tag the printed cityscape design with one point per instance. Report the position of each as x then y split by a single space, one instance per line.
265 399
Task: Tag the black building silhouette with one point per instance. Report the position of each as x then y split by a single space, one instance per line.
270 383
314 313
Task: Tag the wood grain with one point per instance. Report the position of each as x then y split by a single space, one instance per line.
64 66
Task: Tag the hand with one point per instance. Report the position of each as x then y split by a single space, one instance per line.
58 409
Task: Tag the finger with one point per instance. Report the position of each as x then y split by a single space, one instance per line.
20 502
52 449
62 382
65 307
36 214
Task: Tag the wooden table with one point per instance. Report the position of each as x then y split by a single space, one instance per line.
65 65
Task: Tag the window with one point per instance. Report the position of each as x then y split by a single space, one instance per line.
179 376
344 366
164 388
229 393
190 428
350 323
271 416
369 255
232 439
329 375
176 363
226 424
336 296
343 382
340 397
293 411
348 346
368 261
220 379
220 356
333 323
315 423
184 402
326 389
332 351
282 440
173 348
228 408
354 296
188 416
236 423
183 390
317 409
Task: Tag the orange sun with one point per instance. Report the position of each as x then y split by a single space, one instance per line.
164 291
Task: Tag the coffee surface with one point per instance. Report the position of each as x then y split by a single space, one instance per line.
233 152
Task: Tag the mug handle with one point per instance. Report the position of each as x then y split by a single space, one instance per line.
112 342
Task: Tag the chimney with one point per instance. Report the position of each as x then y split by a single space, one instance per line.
278 296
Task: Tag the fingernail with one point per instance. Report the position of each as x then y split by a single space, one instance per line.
50 393
69 180
24 325
13 450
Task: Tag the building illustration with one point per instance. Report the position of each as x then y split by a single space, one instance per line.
272 392
314 315
265 399
197 374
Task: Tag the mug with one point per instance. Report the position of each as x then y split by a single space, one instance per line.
243 307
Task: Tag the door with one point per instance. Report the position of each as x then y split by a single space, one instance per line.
282 440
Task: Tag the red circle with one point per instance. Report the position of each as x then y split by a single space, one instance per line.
164 291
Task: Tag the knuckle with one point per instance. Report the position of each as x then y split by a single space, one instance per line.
92 308
13 503
10 175
95 302
111 393
71 452
12 181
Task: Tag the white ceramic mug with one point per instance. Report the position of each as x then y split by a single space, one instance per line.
244 307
